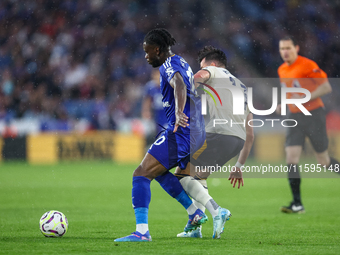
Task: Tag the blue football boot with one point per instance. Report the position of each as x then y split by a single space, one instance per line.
219 220
135 237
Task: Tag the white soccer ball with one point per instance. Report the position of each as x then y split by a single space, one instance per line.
53 224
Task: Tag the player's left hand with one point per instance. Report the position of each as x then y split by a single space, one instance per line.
236 176
181 120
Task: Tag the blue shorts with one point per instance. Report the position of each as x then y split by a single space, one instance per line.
173 149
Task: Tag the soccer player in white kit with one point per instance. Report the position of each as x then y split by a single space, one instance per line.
226 136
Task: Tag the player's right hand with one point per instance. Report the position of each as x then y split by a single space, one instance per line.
181 120
236 176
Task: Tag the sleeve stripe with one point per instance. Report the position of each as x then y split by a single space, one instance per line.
167 63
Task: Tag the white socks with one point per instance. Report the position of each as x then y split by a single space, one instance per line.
192 209
196 189
212 207
198 204
142 228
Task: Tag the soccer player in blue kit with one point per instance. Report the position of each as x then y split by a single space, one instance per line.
185 134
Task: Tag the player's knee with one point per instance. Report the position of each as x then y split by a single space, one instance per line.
323 161
292 158
141 171
323 158
137 172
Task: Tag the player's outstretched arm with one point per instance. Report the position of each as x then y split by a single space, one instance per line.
180 94
201 76
248 143
236 175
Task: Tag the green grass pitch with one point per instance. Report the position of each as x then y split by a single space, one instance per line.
96 199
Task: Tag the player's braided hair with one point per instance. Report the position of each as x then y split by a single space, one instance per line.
211 53
160 37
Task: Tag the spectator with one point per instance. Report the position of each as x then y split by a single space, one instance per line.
57 51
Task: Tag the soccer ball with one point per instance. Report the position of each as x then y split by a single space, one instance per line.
53 224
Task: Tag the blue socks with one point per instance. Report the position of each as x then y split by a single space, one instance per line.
174 188
170 184
184 199
141 214
141 197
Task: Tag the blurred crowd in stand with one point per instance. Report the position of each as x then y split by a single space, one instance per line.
71 60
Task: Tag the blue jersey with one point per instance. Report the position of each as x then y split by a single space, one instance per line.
192 107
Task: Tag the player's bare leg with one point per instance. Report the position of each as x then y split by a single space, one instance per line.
149 168
293 154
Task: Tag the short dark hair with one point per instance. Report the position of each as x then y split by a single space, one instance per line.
211 53
289 38
160 37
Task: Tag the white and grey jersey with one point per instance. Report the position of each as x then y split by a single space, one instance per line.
222 119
